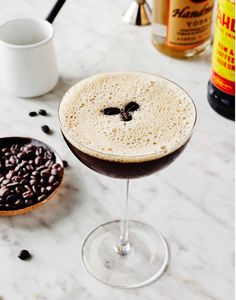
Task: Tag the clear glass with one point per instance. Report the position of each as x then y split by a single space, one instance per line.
137 258
160 14
124 253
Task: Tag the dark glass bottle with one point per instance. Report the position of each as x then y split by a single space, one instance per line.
221 87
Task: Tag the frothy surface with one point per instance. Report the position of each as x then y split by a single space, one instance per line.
161 124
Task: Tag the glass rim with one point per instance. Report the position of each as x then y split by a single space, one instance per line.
101 153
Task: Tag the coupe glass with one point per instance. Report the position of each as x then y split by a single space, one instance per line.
124 253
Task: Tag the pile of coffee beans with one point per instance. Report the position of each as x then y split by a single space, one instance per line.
28 174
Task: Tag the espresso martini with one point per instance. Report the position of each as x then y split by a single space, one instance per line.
126 124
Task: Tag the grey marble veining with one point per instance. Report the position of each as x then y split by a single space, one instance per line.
191 202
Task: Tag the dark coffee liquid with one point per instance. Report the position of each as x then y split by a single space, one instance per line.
123 169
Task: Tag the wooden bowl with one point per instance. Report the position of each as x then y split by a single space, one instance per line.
8 141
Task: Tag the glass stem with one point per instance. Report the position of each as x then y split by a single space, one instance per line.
124 246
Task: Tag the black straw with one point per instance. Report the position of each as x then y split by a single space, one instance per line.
55 10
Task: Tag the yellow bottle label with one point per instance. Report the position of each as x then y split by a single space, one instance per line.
189 23
223 60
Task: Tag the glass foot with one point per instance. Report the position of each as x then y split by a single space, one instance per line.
146 261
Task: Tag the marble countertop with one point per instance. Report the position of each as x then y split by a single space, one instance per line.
191 202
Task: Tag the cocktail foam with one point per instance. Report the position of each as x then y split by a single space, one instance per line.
162 124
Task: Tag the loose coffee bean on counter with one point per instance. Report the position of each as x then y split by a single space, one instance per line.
33 114
28 176
65 163
24 255
42 112
46 129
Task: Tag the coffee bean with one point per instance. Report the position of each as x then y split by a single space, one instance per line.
4 150
18 202
55 184
4 191
49 155
48 188
19 190
32 114
9 166
36 174
12 184
38 160
23 163
43 181
21 155
17 168
28 188
49 163
55 172
41 168
29 146
36 189
10 174
30 154
51 179
12 198
24 181
25 192
13 159
5 181
131 106
29 167
56 166
39 151
65 163
24 255
45 129
42 197
16 178
30 202
42 112
109 111
32 182
28 195
26 175
45 173
126 116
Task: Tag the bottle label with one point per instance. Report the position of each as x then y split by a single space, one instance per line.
189 23
223 61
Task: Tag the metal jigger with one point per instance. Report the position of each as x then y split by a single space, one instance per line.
139 13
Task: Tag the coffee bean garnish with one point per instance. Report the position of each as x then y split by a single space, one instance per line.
125 116
109 111
42 112
24 255
33 114
28 176
46 129
125 113
131 106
